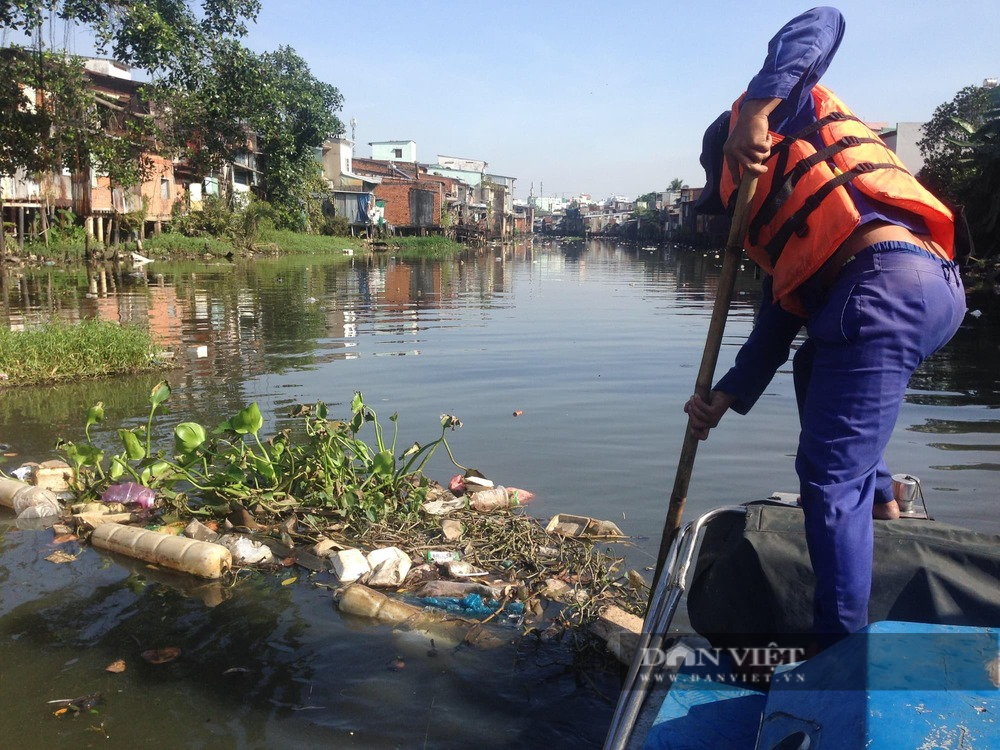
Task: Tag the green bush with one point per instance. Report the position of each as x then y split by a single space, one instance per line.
335 226
215 219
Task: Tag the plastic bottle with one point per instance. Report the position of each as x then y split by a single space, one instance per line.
461 569
204 559
494 499
28 501
360 600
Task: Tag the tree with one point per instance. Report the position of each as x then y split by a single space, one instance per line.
67 126
676 184
961 146
944 143
299 114
273 98
157 36
208 95
979 188
209 119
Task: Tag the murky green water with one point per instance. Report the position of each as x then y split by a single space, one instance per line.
596 344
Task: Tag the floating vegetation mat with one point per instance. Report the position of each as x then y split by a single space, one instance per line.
515 548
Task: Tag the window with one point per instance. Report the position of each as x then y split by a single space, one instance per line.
397 153
164 188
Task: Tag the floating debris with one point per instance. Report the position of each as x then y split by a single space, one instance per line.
564 524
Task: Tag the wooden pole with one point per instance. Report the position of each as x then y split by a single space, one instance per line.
703 385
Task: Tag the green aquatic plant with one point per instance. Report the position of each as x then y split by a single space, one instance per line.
59 352
327 464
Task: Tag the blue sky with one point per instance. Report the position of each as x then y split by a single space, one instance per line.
604 97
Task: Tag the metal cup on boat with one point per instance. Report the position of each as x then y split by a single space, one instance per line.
905 489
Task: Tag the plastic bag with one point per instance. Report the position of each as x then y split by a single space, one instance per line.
474 606
245 550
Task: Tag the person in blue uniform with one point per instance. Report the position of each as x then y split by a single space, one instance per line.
883 296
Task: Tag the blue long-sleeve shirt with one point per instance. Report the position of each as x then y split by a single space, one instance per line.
797 57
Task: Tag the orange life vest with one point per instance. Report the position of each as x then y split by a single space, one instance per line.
802 211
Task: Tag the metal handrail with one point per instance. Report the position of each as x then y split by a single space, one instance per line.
662 608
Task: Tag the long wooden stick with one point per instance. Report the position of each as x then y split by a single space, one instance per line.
713 343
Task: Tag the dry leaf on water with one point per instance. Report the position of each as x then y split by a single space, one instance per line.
59 557
116 667
161 655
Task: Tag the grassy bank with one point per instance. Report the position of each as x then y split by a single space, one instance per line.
277 241
59 352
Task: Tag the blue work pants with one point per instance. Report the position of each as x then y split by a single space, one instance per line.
890 307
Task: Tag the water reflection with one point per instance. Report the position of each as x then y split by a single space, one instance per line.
596 345
581 333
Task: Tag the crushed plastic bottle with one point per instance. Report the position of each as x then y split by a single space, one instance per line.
441 556
35 502
130 493
499 497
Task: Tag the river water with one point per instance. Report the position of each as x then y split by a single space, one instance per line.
594 345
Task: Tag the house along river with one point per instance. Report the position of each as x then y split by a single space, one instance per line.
595 345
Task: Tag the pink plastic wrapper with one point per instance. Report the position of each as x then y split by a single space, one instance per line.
130 493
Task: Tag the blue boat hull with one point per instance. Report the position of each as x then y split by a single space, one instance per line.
894 685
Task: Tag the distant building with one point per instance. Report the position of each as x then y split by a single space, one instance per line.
353 194
405 151
903 139
466 165
550 203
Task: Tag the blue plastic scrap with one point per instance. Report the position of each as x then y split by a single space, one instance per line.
472 605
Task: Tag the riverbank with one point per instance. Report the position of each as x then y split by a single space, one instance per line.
176 246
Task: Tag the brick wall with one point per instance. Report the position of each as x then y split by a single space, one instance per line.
396 194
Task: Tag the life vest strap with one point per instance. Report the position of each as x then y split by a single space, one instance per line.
782 187
813 127
796 223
